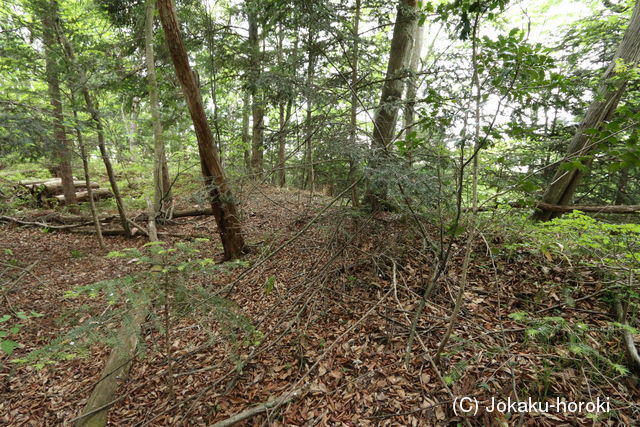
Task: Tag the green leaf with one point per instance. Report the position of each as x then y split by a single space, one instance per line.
519 315
622 370
5 318
269 284
8 346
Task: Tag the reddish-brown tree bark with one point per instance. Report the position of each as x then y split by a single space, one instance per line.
222 203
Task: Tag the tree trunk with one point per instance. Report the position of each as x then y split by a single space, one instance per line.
95 115
222 202
384 122
412 88
160 170
621 189
309 181
353 131
601 110
284 114
87 177
477 100
63 145
246 136
282 140
257 109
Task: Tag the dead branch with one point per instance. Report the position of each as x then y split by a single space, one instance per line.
630 345
42 224
263 407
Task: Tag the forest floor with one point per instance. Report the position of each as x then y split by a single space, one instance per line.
334 309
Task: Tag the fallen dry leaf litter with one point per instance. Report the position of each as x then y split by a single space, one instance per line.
335 324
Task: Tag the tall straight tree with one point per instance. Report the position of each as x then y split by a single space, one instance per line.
62 143
607 96
161 182
309 181
412 85
222 202
285 103
353 128
384 122
246 134
257 107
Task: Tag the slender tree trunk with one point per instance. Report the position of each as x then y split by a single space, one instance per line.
213 82
353 131
87 177
130 123
246 135
63 145
222 203
95 115
477 99
282 140
160 171
284 112
621 194
384 122
309 181
257 109
564 183
412 87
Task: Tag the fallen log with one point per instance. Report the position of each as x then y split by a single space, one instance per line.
612 209
53 186
122 355
30 182
179 214
83 196
116 368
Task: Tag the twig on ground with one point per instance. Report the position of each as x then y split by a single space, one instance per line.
263 407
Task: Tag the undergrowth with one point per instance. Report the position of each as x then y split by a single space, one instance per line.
175 280
576 244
